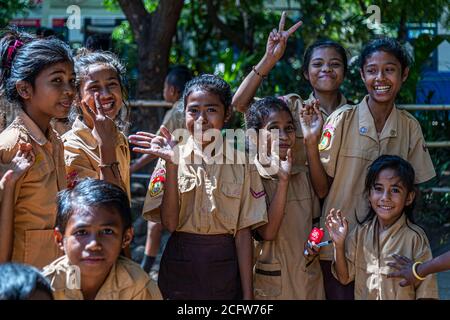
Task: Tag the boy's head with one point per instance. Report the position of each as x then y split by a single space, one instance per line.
23 282
93 225
175 82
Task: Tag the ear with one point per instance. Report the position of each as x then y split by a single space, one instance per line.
306 75
58 238
405 74
127 237
410 198
361 72
228 113
25 89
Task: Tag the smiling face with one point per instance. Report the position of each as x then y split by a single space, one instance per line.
103 79
52 93
389 196
325 70
93 239
282 121
383 77
204 111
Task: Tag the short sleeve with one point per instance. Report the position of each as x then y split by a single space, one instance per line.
77 163
419 157
149 292
330 142
174 118
155 193
253 211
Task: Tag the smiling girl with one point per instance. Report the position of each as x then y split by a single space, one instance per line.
38 77
96 146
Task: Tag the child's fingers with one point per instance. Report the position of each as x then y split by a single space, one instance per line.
394 265
90 112
98 104
135 137
6 178
147 134
144 144
294 27
282 21
404 283
165 133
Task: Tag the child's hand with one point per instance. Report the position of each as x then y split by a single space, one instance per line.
21 162
312 250
404 270
160 146
311 122
105 129
276 43
285 167
337 227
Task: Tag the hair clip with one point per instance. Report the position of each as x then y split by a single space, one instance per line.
11 49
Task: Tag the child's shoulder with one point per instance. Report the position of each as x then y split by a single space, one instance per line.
408 117
56 272
134 270
344 112
12 135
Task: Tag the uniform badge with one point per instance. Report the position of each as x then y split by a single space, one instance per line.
363 130
326 139
157 182
257 195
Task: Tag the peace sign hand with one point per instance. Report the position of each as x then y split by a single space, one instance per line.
105 129
276 42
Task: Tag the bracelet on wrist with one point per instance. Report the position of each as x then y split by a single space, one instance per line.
259 74
414 271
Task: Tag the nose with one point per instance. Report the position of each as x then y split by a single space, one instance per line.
93 244
386 195
202 119
326 67
379 75
69 89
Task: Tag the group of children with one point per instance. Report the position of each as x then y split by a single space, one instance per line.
238 231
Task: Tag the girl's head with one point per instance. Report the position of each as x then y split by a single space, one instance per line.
93 225
37 74
207 103
271 113
390 189
175 83
325 65
102 72
384 66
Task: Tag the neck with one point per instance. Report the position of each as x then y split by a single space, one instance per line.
384 225
91 285
329 100
380 112
42 121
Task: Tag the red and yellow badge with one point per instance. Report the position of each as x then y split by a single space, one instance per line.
156 185
326 137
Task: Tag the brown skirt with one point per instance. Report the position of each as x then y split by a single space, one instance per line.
200 267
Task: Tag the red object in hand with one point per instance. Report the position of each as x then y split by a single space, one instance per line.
316 235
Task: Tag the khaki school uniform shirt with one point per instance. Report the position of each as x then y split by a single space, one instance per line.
35 192
174 117
281 270
82 154
369 251
213 198
294 102
126 281
350 144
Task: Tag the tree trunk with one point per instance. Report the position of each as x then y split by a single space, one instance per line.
153 33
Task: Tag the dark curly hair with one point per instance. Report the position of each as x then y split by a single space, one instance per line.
388 45
213 84
256 116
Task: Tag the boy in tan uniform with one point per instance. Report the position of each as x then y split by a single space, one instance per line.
93 226
34 211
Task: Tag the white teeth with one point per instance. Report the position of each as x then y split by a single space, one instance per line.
382 88
386 207
107 105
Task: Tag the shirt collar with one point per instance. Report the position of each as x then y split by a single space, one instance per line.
367 124
342 101
265 173
85 133
32 128
193 148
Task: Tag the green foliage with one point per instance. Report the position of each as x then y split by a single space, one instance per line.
10 8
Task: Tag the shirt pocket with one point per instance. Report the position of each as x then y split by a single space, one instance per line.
228 203
40 248
267 279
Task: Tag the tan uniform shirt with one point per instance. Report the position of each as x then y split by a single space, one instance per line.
82 154
369 251
126 281
174 117
35 192
281 270
294 103
214 198
350 144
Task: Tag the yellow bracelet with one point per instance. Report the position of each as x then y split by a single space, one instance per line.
259 74
414 266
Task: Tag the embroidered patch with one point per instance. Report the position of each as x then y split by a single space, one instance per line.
326 139
157 182
257 195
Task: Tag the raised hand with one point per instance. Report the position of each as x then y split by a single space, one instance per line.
160 146
276 42
285 167
22 161
311 122
337 227
105 129
403 265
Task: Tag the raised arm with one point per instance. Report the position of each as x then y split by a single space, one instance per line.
338 228
276 45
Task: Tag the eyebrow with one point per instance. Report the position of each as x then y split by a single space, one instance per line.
96 81
85 225
57 71
374 64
